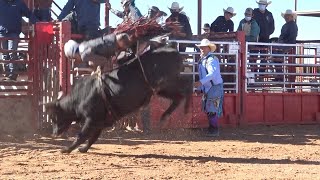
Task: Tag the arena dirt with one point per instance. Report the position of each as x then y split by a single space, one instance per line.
260 152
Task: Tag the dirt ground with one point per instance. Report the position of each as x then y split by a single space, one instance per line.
260 152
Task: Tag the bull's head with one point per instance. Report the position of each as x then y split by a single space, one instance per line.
59 121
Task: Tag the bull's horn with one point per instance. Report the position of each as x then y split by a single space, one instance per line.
60 95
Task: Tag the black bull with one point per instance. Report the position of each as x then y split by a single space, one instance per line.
98 102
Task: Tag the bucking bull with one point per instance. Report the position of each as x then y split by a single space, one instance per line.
98 101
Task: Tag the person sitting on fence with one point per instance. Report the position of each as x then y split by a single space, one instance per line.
86 14
98 51
11 13
249 26
224 23
211 84
130 11
289 33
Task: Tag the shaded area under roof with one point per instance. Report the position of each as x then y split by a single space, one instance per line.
309 13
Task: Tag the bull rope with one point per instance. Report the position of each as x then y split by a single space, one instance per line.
98 74
142 69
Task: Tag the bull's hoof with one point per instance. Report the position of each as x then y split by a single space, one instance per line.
65 151
83 149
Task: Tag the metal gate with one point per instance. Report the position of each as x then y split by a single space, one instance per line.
281 84
52 69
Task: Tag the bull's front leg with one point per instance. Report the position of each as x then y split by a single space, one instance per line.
169 111
91 140
81 138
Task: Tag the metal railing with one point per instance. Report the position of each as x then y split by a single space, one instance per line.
274 67
20 60
227 53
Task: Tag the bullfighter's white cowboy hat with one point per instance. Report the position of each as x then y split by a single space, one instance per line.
289 12
230 10
207 43
70 48
175 7
264 2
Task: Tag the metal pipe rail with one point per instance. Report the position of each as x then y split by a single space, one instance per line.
229 62
282 67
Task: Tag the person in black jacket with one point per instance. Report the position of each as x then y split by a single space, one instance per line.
264 19
289 31
224 23
177 16
182 20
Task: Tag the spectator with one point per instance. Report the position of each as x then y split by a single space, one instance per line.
211 84
86 14
182 19
155 13
130 13
206 29
249 26
11 13
264 19
289 31
224 23
42 10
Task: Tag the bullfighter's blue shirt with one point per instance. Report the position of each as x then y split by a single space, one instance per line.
209 72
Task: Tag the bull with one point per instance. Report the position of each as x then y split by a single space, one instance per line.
98 101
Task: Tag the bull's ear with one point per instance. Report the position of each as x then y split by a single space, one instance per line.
51 107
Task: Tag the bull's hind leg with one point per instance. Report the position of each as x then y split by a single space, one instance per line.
91 140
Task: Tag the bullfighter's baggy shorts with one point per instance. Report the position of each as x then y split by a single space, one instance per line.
212 101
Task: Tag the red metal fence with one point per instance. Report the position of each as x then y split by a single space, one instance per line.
251 96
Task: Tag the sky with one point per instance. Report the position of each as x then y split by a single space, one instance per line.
211 9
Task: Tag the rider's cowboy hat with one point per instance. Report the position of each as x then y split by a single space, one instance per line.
264 2
207 43
289 12
230 10
175 7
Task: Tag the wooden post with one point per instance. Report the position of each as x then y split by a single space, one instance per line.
199 16
296 8
106 16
